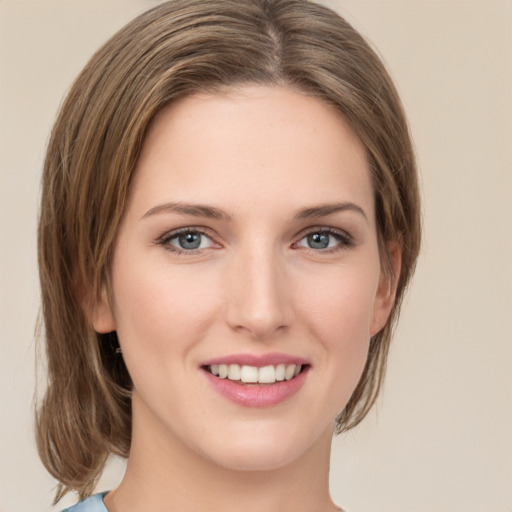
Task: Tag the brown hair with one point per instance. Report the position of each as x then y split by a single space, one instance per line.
176 49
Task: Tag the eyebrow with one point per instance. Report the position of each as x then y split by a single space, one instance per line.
196 210
201 210
328 209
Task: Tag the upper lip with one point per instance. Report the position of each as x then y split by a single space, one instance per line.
258 360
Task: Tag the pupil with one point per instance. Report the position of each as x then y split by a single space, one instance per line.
190 240
318 240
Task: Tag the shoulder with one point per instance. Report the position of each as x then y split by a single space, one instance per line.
90 504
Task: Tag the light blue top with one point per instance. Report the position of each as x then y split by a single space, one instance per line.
90 504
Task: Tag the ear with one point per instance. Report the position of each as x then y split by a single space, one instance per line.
99 312
388 281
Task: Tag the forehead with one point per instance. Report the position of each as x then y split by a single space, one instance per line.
250 142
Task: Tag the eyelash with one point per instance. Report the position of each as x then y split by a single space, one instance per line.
345 241
167 237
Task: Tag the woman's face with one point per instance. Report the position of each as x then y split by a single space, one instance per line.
248 247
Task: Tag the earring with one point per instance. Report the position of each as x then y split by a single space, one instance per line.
115 342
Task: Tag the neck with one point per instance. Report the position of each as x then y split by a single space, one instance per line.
163 474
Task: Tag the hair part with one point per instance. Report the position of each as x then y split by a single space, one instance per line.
180 48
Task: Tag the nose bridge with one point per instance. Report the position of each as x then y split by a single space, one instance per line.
258 297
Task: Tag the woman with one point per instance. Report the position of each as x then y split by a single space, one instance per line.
229 220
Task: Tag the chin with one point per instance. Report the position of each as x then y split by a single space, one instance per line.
255 460
265 450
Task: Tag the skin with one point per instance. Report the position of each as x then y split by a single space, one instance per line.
259 155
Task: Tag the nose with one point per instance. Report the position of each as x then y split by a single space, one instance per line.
259 294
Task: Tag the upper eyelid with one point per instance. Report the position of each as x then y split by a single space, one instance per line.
324 229
186 229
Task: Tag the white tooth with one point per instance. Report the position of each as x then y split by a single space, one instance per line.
290 370
223 371
297 370
266 375
280 372
214 369
234 372
249 374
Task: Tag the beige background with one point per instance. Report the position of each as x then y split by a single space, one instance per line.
441 438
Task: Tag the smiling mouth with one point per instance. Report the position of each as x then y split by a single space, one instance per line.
245 374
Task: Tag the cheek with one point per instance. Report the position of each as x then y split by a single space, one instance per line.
339 308
340 300
160 313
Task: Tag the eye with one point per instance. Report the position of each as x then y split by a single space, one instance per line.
323 239
187 240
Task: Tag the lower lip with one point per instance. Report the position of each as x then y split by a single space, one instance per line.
257 395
